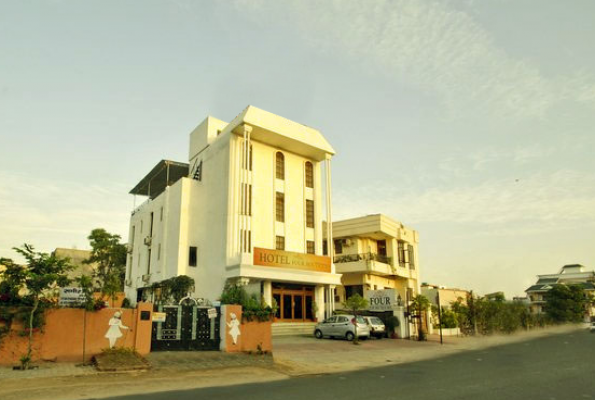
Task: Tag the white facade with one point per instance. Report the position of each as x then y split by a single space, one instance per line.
207 224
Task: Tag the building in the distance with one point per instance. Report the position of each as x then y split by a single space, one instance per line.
77 259
246 209
572 274
445 295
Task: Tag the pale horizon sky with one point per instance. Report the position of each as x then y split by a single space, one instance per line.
469 121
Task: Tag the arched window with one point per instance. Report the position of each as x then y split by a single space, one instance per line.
280 165
309 175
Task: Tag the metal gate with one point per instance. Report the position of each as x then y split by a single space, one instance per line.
186 327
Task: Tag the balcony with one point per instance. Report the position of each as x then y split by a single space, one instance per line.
365 262
347 258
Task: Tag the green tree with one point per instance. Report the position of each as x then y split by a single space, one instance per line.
110 256
42 273
355 304
12 281
420 304
565 303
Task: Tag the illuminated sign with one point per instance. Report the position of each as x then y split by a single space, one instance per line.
289 259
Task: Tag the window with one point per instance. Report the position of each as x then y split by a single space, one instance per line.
411 257
310 213
309 174
280 243
354 289
149 263
159 251
192 257
338 246
246 205
310 247
325 247
161 214
280 165
381 244
245 240
151 226
401 250
280 207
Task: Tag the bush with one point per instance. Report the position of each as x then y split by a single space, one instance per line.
252 306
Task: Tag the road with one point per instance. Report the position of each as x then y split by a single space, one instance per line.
557 367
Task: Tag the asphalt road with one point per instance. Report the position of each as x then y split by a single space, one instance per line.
558 367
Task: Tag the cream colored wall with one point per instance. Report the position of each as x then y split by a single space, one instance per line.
264 188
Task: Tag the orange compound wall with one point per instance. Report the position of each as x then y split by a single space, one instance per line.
72 335
254 335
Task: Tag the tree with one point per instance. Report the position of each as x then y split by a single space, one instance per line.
420 304
565 303
110 256
41 273
356 303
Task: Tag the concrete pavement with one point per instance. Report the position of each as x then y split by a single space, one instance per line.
551 367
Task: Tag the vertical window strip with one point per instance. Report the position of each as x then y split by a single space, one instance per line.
310 247
309 174
280 242
280 207
310 213
279 165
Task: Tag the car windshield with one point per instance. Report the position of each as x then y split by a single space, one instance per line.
360 320
376 321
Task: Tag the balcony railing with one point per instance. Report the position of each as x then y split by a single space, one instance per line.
363 257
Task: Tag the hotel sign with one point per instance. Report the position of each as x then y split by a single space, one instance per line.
291 260
381 300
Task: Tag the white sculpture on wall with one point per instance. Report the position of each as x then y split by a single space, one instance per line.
113 332
234 327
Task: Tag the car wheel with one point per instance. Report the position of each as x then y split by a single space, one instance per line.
318 334
349 336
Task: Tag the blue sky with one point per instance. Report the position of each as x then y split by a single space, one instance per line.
471 121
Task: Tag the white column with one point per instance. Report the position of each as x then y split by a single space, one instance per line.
319 299
267 292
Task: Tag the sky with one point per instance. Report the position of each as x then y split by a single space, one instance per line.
469 121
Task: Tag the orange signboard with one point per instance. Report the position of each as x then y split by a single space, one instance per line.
289 259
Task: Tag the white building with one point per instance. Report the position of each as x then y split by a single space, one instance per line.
247 209
572 274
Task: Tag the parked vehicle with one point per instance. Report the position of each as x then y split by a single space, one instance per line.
377 328
592 327
342 326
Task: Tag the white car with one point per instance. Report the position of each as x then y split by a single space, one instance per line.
342 326
592 327
377 328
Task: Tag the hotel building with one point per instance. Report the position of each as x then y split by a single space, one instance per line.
246 209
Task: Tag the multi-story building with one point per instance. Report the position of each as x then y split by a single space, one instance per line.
376 252
246 209
445 295
572 274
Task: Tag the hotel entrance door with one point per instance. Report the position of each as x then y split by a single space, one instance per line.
294 303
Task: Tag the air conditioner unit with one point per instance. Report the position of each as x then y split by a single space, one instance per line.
146 278
348 242
128 282
148 240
